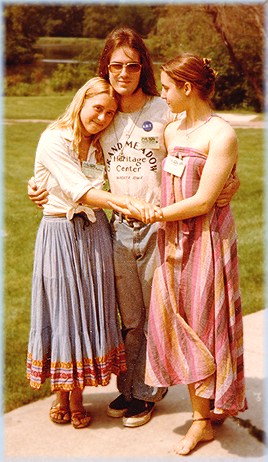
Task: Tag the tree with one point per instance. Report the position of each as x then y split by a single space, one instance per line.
100 20
232 35
139 17
21 33
63 20
242 31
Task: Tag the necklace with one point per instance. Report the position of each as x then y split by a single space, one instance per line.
129 132
188 133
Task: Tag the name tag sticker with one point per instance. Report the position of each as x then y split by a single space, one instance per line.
149 142
174 166
93 171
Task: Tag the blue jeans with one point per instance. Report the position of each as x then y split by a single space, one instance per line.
134 261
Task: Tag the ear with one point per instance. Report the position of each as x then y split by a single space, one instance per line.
187 88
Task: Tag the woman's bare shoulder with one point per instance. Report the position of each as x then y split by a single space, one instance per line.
173 126
221 126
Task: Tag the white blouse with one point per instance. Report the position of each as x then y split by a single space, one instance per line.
59 171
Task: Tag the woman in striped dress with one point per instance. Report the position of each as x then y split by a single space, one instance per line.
195 334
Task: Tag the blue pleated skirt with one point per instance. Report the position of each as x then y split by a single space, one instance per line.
75 338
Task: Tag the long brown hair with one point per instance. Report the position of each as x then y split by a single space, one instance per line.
193 69
126 37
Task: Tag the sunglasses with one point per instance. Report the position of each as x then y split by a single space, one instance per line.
132 68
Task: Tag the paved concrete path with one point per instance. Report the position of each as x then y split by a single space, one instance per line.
30 436
243 120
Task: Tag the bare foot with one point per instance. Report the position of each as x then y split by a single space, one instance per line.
200 430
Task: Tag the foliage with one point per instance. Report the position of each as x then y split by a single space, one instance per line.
232 35
22 219
100 20
67 77
21 33
24 80
67 21
189 35
240 29
63 20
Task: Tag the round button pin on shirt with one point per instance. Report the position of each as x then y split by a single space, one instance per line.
147 126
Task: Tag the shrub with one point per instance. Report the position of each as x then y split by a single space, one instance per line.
69 76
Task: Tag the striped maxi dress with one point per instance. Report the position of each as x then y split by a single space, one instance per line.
195 332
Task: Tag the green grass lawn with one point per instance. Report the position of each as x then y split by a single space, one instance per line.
248 208
21 222
36 107
22 219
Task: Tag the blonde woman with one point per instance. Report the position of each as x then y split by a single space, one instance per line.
75 338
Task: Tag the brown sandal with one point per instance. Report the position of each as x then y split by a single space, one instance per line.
78 416
59 415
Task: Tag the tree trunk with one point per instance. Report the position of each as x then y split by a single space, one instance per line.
240 66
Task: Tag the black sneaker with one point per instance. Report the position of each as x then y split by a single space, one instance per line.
139 413
118 407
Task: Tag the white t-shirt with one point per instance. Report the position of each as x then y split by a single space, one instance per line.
133 147
58 170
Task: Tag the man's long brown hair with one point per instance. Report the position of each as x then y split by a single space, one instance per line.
126 37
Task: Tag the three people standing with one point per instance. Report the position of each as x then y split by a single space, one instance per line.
134 148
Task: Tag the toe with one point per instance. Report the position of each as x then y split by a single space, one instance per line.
197 433
184 447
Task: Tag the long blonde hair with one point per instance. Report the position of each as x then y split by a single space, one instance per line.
71 117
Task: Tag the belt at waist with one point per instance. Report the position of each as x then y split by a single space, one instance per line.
55 215
130 221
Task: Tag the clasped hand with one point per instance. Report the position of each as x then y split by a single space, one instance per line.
139 209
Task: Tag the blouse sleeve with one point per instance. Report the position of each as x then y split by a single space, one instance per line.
54 153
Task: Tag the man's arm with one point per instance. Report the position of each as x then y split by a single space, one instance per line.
230 189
